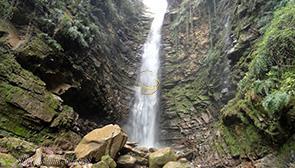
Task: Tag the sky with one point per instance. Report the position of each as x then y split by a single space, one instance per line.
155 5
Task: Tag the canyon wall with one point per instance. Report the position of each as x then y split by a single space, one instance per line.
224 83
67 65
227 80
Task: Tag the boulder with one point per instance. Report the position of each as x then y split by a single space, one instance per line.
174 164
161 157
126 161
103 141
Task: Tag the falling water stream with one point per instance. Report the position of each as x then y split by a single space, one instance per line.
142 128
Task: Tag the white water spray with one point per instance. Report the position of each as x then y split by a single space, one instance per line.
142 128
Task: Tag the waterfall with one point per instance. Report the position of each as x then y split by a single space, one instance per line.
142 120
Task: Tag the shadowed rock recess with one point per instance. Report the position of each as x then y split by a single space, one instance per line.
227 83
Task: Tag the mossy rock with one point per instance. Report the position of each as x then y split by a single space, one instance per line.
100 164
25 104
36 48
14 126
12 72
65 119
7 161
17 147
110 162
244 141
161 157
43 109
187 97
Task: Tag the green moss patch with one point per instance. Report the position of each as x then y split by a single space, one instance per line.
36 47
25 105
7 161
244 141
185 98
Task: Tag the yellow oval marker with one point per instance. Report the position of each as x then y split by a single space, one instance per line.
146 88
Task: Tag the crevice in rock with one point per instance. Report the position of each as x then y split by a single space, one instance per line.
79 99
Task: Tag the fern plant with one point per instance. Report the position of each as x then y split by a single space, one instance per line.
275 102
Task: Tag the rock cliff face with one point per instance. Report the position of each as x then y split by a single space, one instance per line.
185 45
60 60
217 51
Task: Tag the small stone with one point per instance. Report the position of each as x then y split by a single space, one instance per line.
188 155
143 149
38 157
130 149
224 91
152 150
132 144
177 165
3 150
126 161
141 160
205 117
183 160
